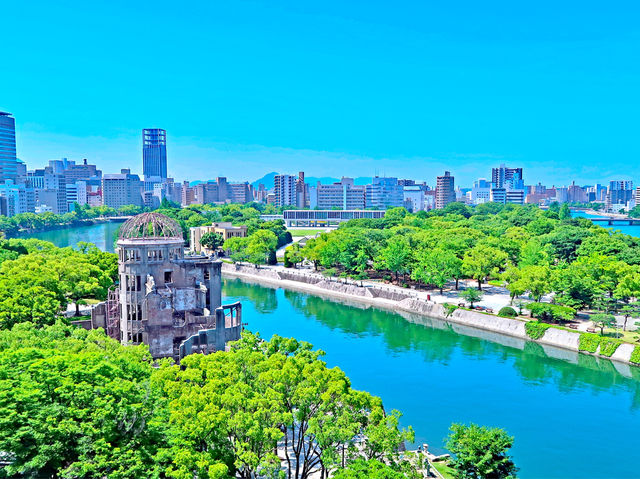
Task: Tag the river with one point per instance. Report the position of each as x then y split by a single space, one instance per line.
103 235
571 418
630 230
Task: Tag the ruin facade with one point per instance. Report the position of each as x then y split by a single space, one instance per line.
165 299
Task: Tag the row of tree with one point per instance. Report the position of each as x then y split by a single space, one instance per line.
75 403
530 251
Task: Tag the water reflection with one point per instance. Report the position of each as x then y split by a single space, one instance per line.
265 300
437 341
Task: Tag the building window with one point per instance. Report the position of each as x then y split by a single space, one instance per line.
167 277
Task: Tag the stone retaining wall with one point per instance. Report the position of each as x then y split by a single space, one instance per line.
398 301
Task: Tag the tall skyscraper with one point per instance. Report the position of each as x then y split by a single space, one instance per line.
154 152
285 190
445 190
8 160
384 193
504 177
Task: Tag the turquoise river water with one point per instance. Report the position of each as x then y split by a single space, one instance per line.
575 417
572 416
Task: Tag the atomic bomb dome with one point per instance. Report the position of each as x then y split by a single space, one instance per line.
169 301
150 226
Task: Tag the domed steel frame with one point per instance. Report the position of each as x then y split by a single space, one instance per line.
150 226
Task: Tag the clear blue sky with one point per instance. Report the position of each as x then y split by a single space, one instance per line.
354 87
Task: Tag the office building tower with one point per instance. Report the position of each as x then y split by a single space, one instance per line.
576 194
504 177
154 152
507 195
8 159
84 171
285 190
619 195
121 189
302 191
481 192
445 190
413 198
17 198
344 195
384 193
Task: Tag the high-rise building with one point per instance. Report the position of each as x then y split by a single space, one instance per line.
619 194
302 191
344 195
445 190
122 189
154 152
481 192
8 159
285 189
504 177
384 193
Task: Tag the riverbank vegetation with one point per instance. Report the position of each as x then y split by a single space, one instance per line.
39 280
532 252
193 215
75 403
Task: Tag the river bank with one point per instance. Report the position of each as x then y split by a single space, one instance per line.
78 223
397 300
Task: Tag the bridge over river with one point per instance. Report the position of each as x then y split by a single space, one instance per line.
617 221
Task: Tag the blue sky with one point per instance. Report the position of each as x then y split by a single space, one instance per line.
355 88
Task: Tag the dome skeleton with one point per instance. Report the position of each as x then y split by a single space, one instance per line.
150 226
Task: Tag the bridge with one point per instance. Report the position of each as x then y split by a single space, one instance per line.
617 221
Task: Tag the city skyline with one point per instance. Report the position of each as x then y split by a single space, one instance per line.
387 92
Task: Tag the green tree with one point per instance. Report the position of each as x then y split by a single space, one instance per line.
75 403
237 247
536 280
261 243
436 267
603 320
471 295
372 469
212 240
395 256
565 212
481 261
480 452
292 256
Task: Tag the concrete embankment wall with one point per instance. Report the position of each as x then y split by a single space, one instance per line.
557 343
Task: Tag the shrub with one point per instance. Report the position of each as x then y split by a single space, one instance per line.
608 346
536 329
635 355
589 342
507 312
548 311
449 309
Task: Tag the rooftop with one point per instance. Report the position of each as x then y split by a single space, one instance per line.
150 226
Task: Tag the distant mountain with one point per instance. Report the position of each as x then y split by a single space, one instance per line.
267 180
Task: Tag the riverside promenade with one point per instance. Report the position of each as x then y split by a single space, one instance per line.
422 303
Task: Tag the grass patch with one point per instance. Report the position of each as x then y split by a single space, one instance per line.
589 342
305 232
635 355
443 468
536 329
608 346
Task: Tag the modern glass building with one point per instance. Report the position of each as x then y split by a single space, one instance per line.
8 159
154 152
